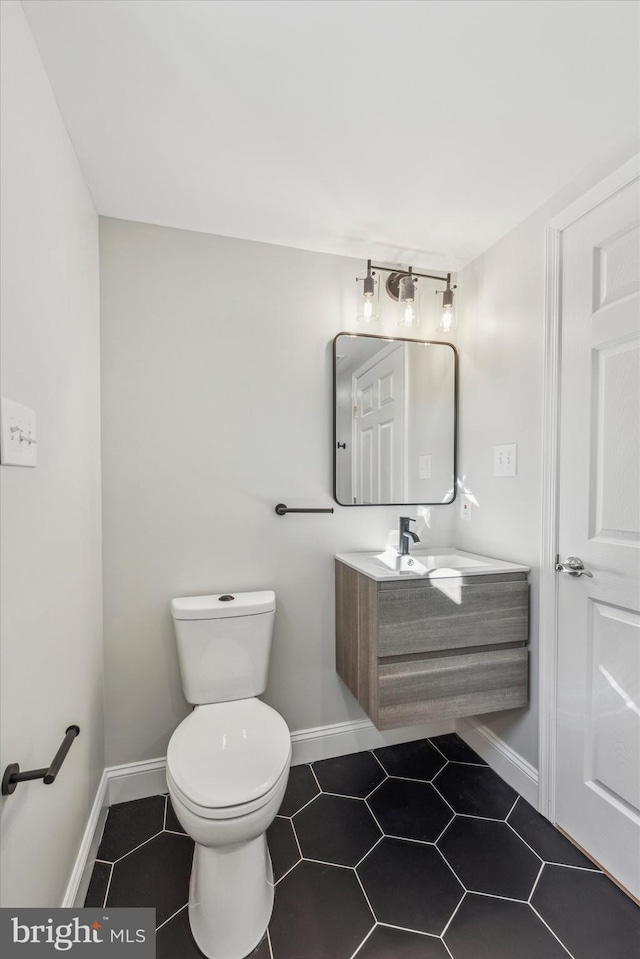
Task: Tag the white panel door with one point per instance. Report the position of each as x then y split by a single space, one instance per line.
379 428
598 715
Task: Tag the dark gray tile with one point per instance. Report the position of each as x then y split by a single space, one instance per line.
171 822
336 829
410 810
129 824
588 913
154 875
542 836
98 884
319 913
410 885
355 775
475 791
387 943
283 847
487 928
488 857
416 760
300 789
456 750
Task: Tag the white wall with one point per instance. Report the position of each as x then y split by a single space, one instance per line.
501 327
216 374
51 539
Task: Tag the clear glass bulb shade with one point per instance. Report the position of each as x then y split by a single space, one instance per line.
368 305
368 312
408 302
447 320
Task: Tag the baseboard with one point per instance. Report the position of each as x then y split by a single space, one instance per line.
136 780
340 739
83 866
510 765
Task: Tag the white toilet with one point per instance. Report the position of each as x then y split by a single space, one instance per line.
227 766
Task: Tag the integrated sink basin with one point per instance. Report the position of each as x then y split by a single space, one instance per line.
445 561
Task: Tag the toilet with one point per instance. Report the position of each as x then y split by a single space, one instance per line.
227 766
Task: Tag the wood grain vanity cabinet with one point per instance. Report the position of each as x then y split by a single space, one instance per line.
414 650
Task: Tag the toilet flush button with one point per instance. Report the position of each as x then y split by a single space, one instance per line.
226 598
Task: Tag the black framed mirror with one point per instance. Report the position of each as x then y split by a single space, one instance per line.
394 421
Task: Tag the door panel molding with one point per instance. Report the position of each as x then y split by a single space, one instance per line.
548 639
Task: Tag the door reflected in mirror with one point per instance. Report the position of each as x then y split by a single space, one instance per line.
394 420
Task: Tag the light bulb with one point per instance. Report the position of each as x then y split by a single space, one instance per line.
368 312
407 301
447 319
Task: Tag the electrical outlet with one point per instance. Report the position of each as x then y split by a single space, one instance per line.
465 509
505 460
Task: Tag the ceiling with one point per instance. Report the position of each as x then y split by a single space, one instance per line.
410 131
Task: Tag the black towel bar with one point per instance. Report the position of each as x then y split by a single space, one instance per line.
281 509
13 776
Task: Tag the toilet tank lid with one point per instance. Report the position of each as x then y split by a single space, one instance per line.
223 605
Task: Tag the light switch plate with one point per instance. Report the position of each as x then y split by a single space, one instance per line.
505 460
18 439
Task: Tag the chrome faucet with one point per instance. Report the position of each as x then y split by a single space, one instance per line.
405 533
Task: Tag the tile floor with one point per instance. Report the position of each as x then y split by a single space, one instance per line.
416 851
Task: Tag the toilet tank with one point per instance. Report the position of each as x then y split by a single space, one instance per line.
224 642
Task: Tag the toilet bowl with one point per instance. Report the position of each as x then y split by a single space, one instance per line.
227 770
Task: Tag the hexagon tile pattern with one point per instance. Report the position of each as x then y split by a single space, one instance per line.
414 851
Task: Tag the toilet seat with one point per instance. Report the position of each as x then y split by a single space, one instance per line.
226 759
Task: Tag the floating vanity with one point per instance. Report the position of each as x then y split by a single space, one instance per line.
437 635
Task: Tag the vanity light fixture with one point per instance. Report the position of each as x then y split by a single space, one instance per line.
402 286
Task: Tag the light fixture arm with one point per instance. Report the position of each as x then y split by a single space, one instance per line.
410 271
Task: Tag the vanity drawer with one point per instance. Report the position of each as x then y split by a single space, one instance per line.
451 616
442 687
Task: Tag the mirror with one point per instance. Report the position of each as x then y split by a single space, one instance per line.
394 421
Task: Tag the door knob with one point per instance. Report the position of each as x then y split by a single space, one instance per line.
574 566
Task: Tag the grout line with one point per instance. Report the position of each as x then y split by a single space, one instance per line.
444 799
524 841
451 869
537 879
108 889
444 830
555 936
164 815
139 846
513 807
313 773
354 954
370 851
379 786
379 762
495 895
295 836
269 943
416 932
373 816
303 807
565 865
451 917
364 893
172 916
